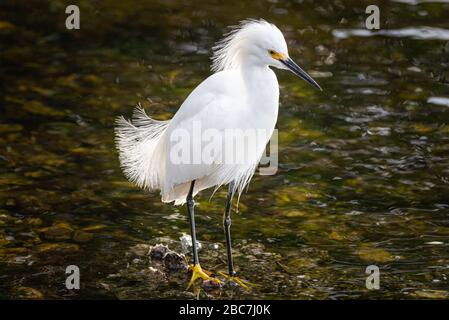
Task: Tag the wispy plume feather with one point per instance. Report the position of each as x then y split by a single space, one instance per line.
227 53
139 149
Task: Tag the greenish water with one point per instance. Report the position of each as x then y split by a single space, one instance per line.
363 177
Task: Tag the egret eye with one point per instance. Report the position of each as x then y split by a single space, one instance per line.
271 52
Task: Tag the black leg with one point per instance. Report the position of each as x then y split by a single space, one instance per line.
190 209
227 229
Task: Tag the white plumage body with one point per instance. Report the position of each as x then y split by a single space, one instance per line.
235 105
226 100
243 94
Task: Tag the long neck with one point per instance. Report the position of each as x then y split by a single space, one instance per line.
262 95
261 84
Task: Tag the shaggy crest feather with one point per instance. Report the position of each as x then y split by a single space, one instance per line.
228 51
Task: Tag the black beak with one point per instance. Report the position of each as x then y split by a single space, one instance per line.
289 63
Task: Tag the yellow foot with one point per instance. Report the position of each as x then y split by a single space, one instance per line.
243 283
198 272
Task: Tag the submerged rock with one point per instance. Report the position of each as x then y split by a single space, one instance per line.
171 260
44 247
256 249
211 285
431 294
58 231
33 221
140 249
27 293
81 236
158 251
299 264
374 254
165 271
334 235
175 262
5 127
4 240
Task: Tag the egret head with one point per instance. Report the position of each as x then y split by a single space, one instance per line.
255 42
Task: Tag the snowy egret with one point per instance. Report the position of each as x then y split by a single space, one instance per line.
243 93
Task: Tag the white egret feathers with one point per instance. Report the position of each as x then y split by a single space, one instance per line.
140 152
242 95
249 35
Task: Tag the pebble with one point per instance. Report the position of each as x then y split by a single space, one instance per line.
186 244
158 251
174 262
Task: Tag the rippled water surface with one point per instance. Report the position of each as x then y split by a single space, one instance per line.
364 166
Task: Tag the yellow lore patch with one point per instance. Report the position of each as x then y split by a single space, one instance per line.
277 55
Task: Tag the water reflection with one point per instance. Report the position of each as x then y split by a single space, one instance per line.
423 33
440 101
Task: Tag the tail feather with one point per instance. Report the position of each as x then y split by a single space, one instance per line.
140 149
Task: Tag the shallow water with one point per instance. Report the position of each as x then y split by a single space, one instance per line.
363 167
